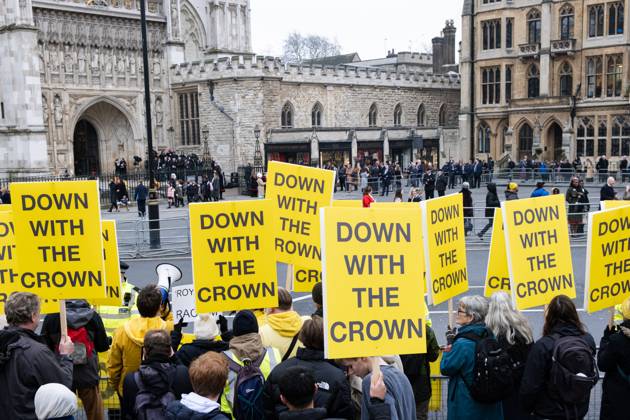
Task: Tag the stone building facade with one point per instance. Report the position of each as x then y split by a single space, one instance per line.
71 92
545 78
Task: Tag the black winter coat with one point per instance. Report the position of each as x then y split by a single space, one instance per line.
79 314
535 387
189 352
614 355
492 200
333 391
518 353
159 376
177 411
469 211
26 363
416 368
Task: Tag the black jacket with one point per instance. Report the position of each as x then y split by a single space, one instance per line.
26 363
492 200
189 352
159 376
308 414
416 368
607 193
79 314
468 202
441 183
535 387
518 353
614 355
333 391
177 411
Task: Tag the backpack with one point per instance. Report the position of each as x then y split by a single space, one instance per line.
149 406
248 388
573 369
494 371
83 345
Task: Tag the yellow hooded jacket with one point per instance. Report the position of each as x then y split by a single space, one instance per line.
280 329
125 353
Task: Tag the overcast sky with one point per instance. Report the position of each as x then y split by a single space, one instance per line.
369 27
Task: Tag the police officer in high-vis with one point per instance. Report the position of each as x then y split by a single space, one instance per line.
113 317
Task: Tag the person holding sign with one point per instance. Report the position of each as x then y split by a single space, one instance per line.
25 362
565 354
283 326
399 396
206 332
458 362
614 359
86 329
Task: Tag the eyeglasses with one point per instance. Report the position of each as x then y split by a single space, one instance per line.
459 311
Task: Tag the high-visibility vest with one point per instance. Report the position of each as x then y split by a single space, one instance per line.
115 316
272 358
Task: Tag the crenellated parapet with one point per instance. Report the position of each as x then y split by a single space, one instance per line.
252 66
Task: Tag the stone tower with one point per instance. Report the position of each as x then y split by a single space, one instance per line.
23 147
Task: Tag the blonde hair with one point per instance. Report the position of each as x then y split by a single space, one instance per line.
506 321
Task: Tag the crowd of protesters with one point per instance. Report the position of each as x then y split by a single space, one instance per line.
271 365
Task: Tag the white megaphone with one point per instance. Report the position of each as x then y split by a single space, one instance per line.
167 274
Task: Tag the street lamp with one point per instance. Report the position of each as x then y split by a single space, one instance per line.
257 155
205 132
154 209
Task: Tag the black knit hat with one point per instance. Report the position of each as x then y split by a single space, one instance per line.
317 293
245 322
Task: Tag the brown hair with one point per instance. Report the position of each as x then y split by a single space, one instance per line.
149 301
157 343
561 309
21 307
285 301
312 333
208 374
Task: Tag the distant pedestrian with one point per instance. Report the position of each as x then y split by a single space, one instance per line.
540 190
260 185
608 191
140 196
469 211
398 197
367 197
511 193
492 203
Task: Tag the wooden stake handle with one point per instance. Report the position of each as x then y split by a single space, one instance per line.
611 321
288 281
451 314
376 366
63 319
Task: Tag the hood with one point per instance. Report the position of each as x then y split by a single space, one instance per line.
136 328
492 187
209 345
564 329
477 328
247 346
310 354
157 377
309 413
79 313
7 337
287 324
199 404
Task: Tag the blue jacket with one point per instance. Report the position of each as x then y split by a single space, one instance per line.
141 193
458 365
539 192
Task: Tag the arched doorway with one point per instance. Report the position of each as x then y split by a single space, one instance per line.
554 142
103 133
86 157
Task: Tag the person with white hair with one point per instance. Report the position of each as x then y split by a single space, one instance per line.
261 185
608 191
55 401
206 331
514 334
458 361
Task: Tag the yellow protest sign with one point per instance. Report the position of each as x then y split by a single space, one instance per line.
113 280
613 204
58 239
372 282
8 261
607 259
298 193
232 256
445 247
538 250
497 273
348 203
